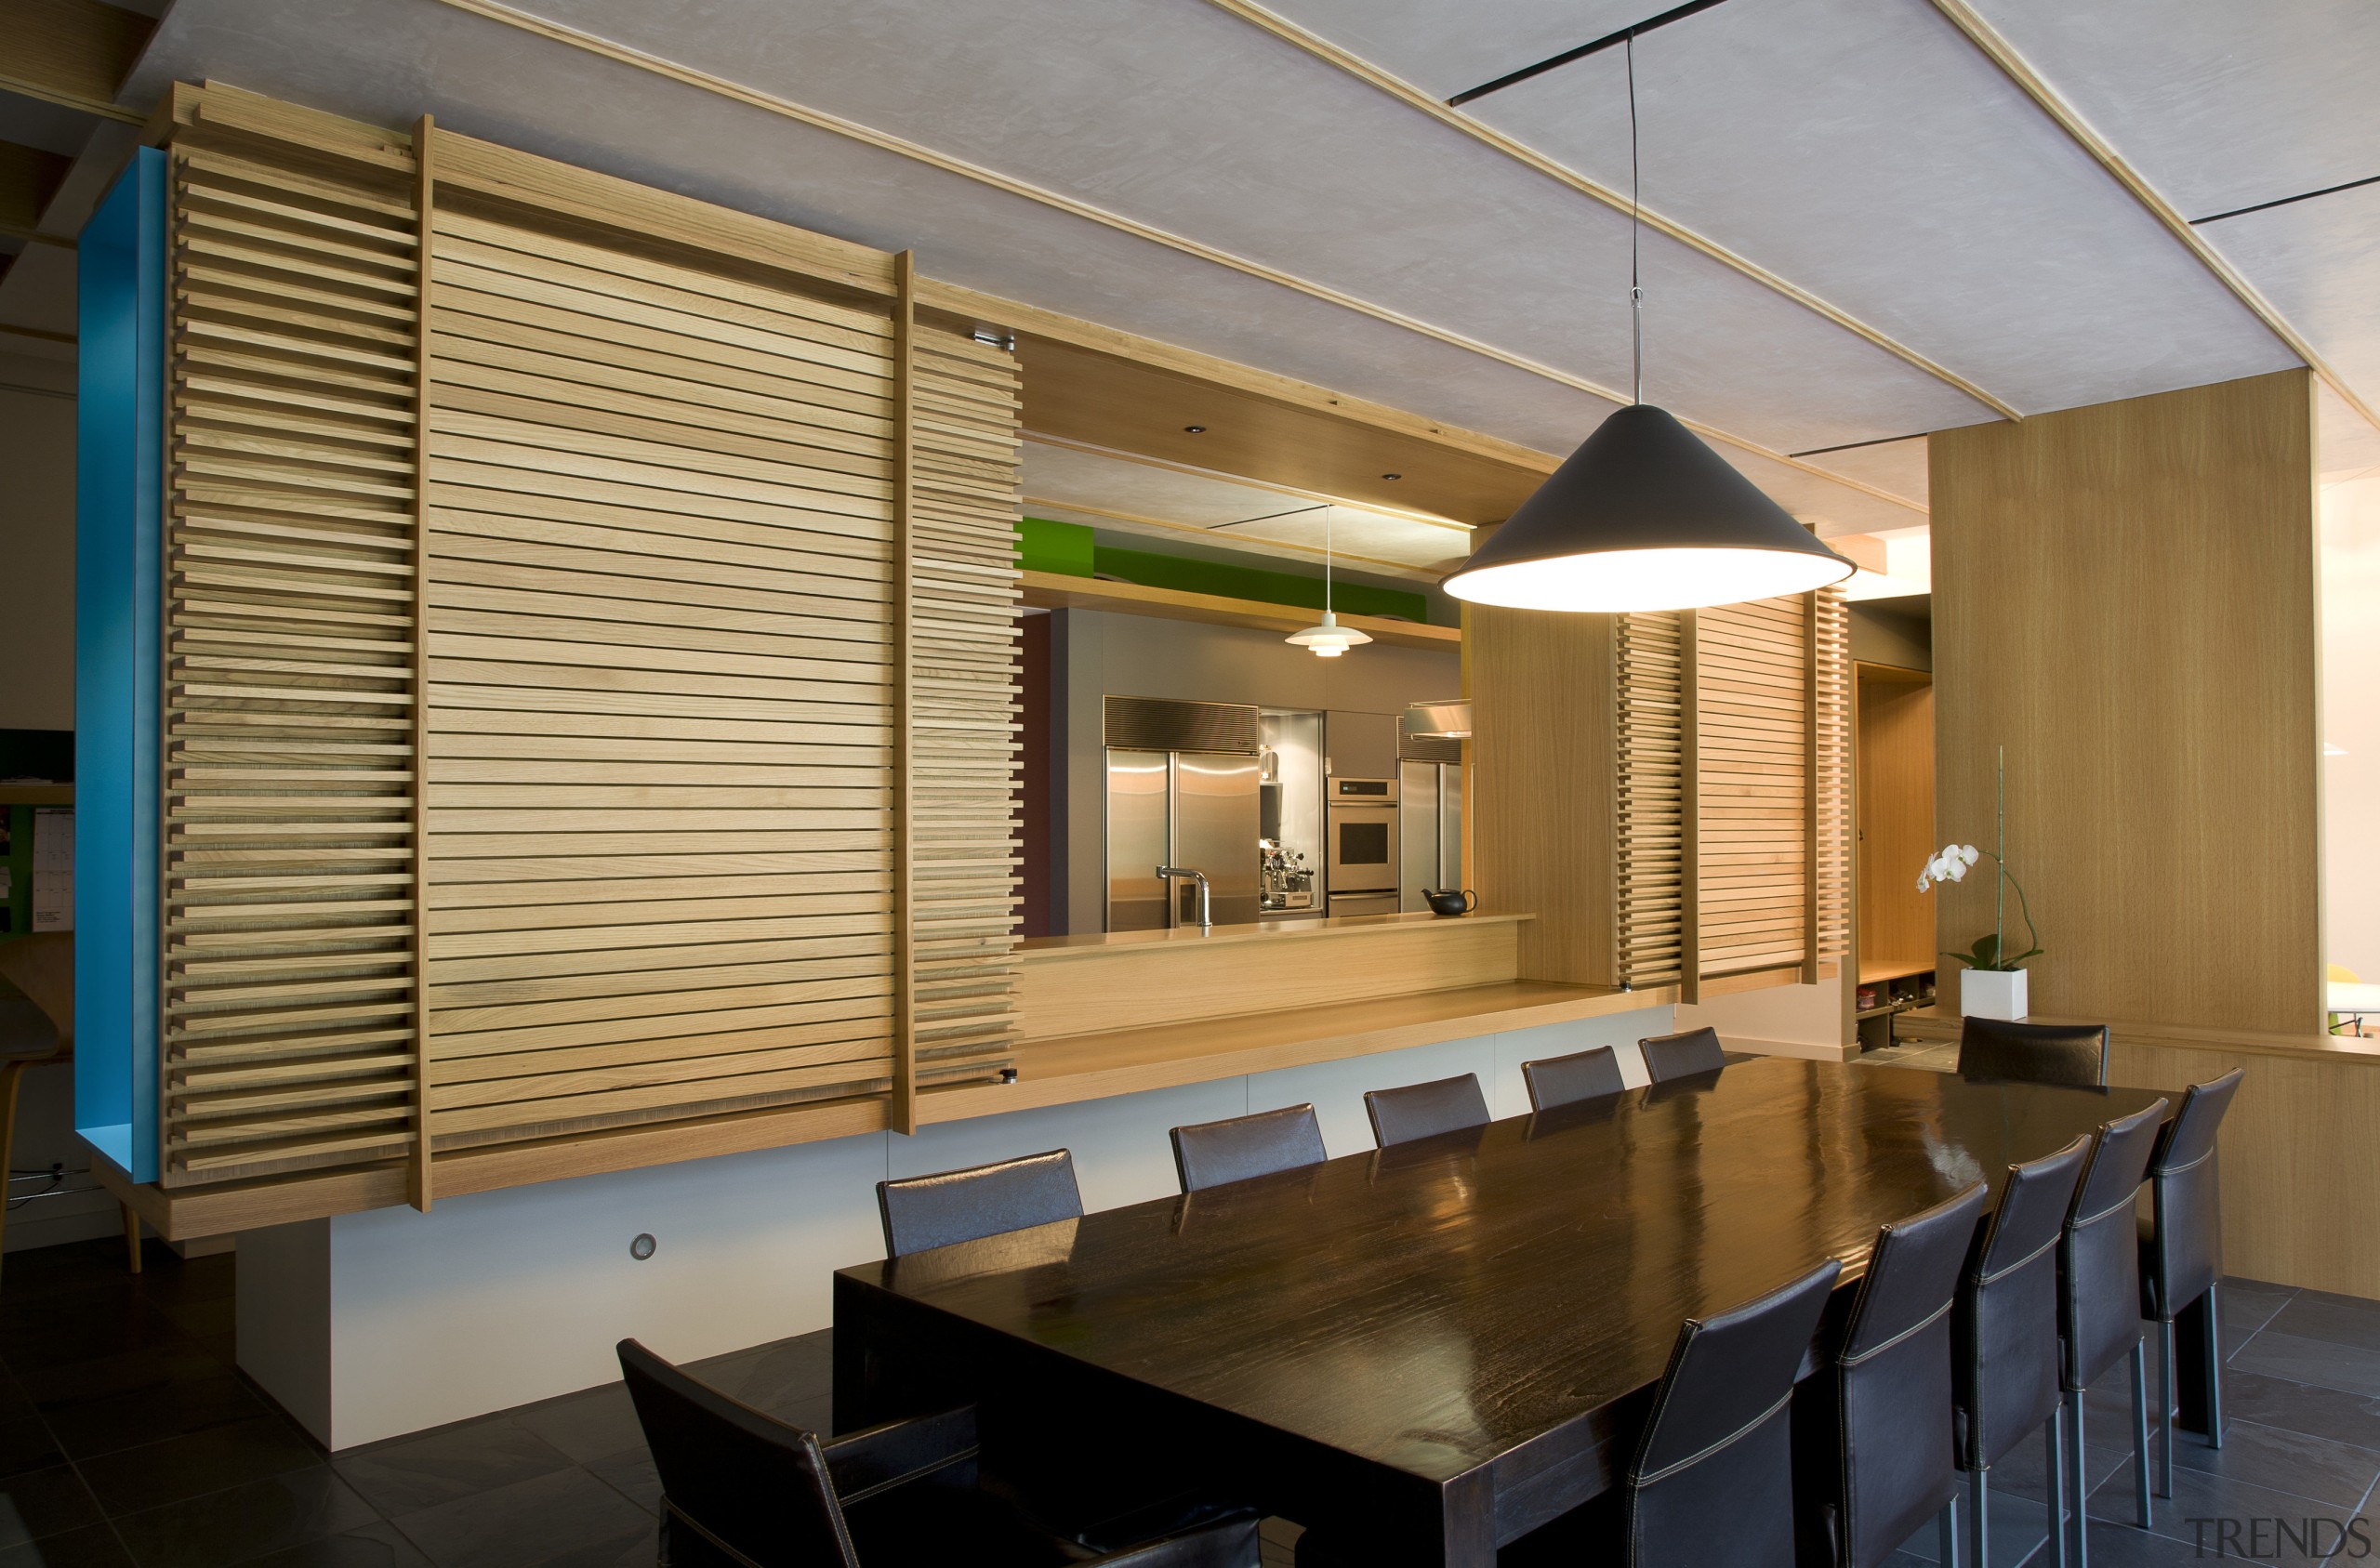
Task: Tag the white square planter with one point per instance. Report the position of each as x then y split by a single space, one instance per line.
1992 994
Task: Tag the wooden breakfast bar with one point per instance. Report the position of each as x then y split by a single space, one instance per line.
1431 1349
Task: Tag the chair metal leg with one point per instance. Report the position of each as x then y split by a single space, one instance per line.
2078 1478
2165 1408
131 1236
1946 1534
1979 1518
2140 1429
2214 1366
8 1078
2056 1487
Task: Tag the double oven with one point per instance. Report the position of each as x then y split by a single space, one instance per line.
1359 822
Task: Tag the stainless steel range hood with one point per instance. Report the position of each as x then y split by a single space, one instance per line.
1448 719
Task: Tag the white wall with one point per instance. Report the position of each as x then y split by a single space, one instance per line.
37 543
2350 570
1803 1020
498 1299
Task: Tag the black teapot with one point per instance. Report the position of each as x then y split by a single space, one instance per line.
1447 902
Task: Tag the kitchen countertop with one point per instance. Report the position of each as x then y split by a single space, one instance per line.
1089 942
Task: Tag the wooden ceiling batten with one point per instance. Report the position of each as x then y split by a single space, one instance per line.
73 53
2019 72
1445 113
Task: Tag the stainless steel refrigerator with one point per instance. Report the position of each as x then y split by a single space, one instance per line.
1429 821
1184 794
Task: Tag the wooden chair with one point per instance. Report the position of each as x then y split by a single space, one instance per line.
42 965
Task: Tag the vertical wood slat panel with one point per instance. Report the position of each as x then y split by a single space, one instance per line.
290 914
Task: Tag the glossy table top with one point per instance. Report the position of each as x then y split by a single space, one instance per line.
1433 1307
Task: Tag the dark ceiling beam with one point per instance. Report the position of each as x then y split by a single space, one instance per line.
29 177
71 52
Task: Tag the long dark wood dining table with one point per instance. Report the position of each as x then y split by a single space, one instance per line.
1433 1349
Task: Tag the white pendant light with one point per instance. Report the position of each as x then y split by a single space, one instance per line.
1330 639
1645 516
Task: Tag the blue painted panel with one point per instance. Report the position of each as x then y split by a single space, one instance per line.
118 604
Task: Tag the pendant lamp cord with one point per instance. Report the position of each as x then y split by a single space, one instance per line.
1635 283
1326 559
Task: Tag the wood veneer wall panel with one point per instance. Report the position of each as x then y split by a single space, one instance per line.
291 944
1540 795
1895 754
2124 599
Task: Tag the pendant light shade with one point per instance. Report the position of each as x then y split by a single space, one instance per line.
1330 639
1644 515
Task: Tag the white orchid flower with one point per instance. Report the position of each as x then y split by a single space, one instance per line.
1968 853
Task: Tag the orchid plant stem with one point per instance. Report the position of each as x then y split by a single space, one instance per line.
2033 937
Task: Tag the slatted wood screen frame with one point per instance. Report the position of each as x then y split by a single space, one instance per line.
695 549
1759 827
290 940
1650 814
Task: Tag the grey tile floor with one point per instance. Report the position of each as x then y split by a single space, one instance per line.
127 1437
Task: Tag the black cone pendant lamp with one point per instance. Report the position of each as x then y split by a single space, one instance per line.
1645 516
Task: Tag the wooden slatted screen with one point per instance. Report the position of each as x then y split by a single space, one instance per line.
962 706
662 689
1752 704
288 921
649 525
1649 857
1773 737
1836 698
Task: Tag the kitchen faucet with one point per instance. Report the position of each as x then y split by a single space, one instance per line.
1206 906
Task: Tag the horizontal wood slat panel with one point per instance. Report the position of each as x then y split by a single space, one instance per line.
662 693
289 942
960 759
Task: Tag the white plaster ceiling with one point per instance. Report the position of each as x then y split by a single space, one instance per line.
1204 181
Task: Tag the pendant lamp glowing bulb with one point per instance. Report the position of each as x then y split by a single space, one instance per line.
1330 639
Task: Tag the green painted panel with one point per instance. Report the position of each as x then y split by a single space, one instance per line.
1068 547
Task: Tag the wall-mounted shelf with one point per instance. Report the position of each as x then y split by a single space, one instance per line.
1891 988
1052 590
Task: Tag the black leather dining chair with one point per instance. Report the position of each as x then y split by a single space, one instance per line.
2003 1338
1873 1449
964 1205
1211 1153
2033 1053
742 1489
2181 1251
1400 1115
2098 1305
1711 1481
1566 1080
1683 1055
